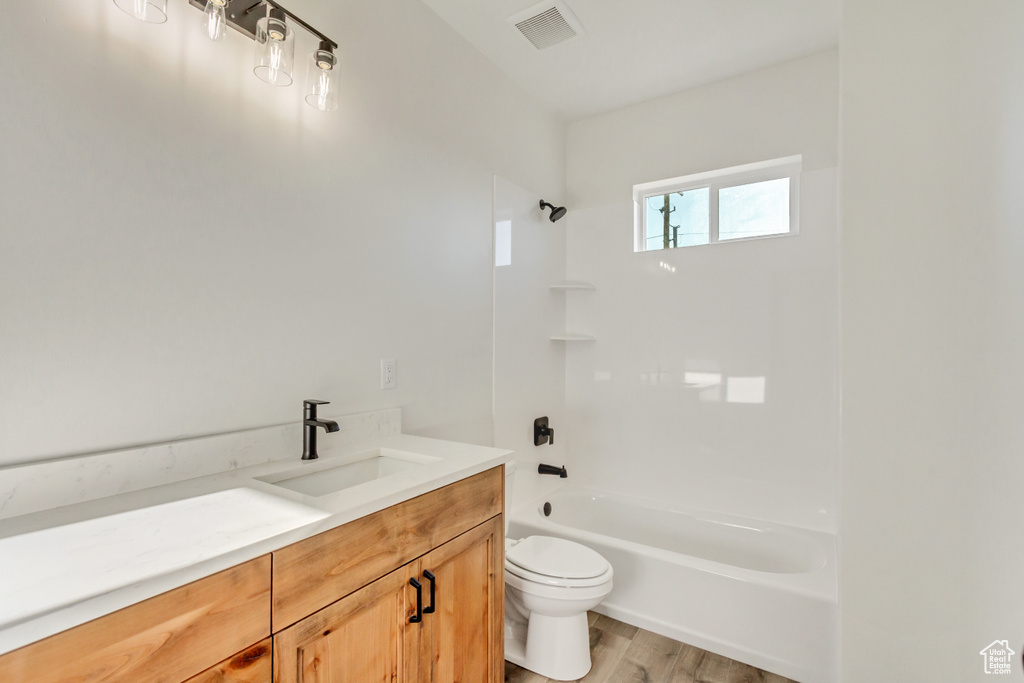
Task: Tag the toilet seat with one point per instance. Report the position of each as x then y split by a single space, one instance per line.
556 562
555 582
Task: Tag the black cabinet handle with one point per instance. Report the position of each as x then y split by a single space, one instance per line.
430 577
418 617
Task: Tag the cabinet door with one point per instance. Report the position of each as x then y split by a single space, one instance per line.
462 640
363 638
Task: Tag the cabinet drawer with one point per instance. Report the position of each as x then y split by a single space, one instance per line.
167 638
313 573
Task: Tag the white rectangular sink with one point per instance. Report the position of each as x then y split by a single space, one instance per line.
320 478
41 571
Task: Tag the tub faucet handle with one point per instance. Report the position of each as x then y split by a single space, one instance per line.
543 432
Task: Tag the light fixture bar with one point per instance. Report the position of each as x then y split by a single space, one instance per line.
242 16
294 18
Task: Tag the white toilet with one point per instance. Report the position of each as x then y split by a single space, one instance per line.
550 584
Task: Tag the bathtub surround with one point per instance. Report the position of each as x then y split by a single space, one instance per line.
139 305
529 368
712 382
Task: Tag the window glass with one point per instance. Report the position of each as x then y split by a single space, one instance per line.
754 210
688 219
733 204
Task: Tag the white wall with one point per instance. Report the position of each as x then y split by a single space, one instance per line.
900 593
765 309
992 468
765 114
933 338
185 250
529 368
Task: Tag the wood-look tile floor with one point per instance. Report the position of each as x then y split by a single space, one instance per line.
626 654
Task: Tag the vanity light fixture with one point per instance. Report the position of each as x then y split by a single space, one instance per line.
215 19
322 79
274 56
149 11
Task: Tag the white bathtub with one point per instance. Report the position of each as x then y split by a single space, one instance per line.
760 593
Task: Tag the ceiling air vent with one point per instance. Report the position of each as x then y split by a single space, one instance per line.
547 23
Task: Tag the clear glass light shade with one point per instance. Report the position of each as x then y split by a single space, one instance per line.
150 11
322 81
274 59
215 23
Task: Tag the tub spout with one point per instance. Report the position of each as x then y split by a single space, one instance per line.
551 469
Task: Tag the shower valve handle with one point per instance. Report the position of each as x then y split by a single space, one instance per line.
543 432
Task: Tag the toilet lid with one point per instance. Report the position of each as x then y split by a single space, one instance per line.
556 557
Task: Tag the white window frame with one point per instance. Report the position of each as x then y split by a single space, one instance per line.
787 167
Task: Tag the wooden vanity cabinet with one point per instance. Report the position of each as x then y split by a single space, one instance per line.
343 599
370 636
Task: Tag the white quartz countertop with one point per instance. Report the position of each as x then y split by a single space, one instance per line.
63 567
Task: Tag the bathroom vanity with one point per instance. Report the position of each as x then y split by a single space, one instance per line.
409 592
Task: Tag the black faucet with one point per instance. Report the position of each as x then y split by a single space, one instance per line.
551 469
310 424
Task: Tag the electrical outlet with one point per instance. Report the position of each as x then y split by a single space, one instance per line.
388 374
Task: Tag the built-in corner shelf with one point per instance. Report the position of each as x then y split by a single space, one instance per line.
572 284
566 286
572 336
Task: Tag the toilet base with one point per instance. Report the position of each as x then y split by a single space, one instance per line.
555 647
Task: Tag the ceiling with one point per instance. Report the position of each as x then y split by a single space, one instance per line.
636 50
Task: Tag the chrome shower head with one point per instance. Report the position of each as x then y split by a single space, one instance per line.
556 211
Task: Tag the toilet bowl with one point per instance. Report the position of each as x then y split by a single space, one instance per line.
550 584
